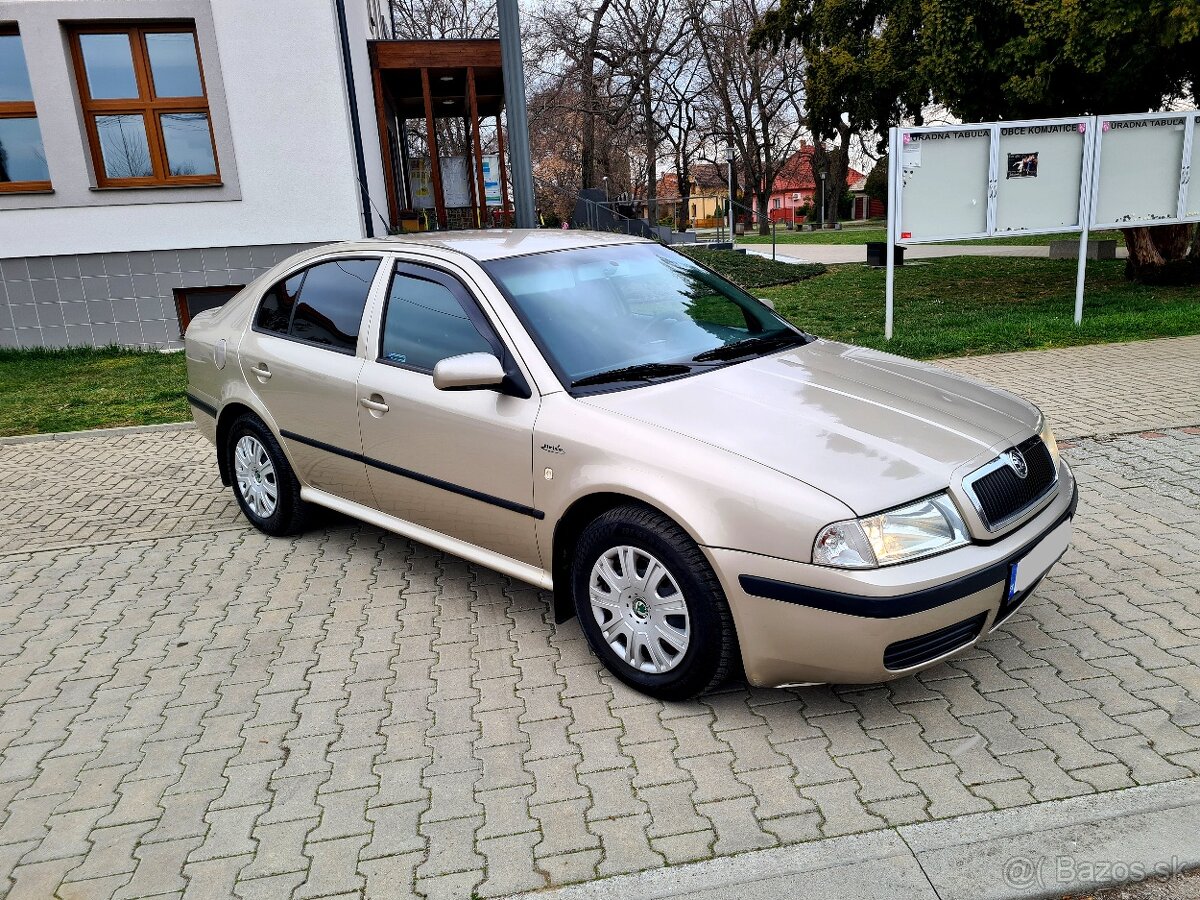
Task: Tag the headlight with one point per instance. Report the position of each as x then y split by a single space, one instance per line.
1047 436
919 529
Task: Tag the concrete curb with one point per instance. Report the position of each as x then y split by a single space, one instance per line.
95 433
1040 851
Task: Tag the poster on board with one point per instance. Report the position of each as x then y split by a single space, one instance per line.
456 185
944 190
1140 167
1043 167
491 180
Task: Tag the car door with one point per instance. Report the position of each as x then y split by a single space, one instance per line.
301 356
458 462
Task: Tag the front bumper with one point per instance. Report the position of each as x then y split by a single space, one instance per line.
800 623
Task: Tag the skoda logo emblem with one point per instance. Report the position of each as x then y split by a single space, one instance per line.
1016 462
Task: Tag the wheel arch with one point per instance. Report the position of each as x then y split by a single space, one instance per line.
570 525
229 414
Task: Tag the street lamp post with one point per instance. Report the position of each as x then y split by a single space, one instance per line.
729 157
823 200
512 66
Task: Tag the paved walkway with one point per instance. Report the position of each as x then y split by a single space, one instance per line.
190 708
835 254
1104 388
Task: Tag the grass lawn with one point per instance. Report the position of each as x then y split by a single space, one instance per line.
863 235
69 390
961 306
955 306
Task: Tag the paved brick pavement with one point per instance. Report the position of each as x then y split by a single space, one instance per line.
1102 388
189 708
60 494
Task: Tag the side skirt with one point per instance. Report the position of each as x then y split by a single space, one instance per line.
505 565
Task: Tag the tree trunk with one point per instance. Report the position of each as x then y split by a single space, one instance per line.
839 171
587 65
764 217
1163 254
683 174
651 153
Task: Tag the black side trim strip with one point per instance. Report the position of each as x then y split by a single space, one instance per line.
417 476
899 604
202 406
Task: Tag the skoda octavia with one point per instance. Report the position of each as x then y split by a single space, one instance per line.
704 485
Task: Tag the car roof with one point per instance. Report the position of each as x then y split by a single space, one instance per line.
498 243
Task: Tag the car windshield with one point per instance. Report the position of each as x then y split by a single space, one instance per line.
634 313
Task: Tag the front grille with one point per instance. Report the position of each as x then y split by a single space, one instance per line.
914 651
1001 495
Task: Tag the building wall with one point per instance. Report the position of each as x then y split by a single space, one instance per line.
97 299
281 117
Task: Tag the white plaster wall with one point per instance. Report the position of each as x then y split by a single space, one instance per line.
292 177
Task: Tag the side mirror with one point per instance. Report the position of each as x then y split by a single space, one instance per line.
470 371
769 304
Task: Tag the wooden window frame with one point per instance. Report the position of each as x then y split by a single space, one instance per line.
21 109
149 106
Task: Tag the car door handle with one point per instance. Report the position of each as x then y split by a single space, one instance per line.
374 403
261 371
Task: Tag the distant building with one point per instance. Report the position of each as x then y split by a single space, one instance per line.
862 206
796 186
708 189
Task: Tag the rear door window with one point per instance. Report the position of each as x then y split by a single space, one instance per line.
322 305
275 310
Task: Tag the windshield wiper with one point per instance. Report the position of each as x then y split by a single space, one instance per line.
642 372
751 346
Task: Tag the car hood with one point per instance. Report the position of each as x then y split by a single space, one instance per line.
871 429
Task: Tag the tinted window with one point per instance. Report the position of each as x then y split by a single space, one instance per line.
331 303
174 65
275 310
124 147
21 154
426 322
14 78
108 61
188 142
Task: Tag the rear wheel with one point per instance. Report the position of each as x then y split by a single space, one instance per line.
650 605
264 484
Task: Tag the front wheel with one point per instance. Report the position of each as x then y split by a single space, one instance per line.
650 605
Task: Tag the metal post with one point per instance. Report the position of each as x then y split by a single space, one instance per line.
513 64
1081 273
822 201
773 226
1085 206
729 205
894 164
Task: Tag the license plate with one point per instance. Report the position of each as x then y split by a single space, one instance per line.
1034 564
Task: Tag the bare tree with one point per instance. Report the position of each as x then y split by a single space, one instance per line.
681 83
579 111
644 35
755 97
420 20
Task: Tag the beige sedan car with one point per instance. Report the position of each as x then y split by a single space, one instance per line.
704 485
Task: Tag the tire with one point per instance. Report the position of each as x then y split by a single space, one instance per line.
263 482
633 622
